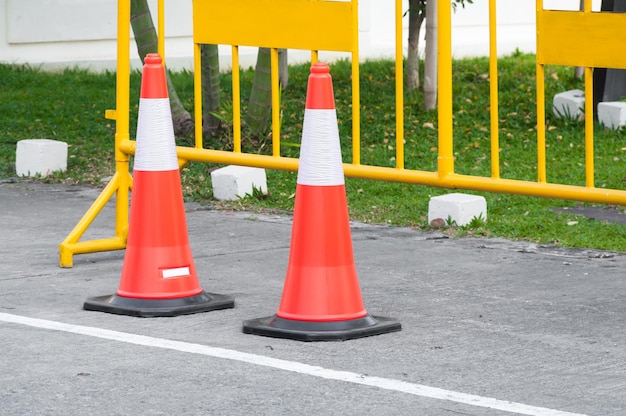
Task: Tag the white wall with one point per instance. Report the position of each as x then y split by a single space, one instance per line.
60 33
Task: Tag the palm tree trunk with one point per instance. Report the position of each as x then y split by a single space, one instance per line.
283 68
430 58
210 88
260 103
147 42
416 18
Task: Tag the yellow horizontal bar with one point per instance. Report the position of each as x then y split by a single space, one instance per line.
93 246
290 24
110 114
67 250
451 180
581 39
223 157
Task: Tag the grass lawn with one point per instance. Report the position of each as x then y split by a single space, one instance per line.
69 106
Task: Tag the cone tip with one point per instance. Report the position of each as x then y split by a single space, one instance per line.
152 59
153 81
320 88
320 68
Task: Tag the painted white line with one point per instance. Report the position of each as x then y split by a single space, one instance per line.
292 366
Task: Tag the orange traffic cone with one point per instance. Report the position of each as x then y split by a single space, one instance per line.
321 298
159 276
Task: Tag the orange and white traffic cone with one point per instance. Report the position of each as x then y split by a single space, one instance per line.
321 298
159 276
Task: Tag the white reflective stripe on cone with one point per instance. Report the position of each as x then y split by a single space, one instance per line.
176 272
320 152
156 147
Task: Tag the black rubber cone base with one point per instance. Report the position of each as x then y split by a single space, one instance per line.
273 326
203 302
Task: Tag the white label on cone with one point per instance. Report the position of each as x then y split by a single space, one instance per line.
177 272
156 147
320 151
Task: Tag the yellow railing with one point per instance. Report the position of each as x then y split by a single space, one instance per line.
591 41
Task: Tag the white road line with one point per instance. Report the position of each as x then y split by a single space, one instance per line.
292 366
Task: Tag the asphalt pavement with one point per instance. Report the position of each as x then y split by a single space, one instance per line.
489 326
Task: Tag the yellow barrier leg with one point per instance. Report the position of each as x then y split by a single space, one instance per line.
68 247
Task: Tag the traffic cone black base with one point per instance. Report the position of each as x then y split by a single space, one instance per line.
275 327
120 305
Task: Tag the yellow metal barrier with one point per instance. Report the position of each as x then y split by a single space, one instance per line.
592 41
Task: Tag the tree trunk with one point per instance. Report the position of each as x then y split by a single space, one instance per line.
147 42
210 88
430 58
416 18
283 68
260 103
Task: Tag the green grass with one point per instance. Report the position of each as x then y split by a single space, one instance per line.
70 106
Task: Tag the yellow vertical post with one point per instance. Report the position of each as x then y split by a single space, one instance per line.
161 28
399 88
493 91
356 93
541 106
197 94
122 117
541 125
445 160
589 152
275 103
314 57
236 100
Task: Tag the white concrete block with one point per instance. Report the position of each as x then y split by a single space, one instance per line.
40 156
233 182
612 114
460 208
569 104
